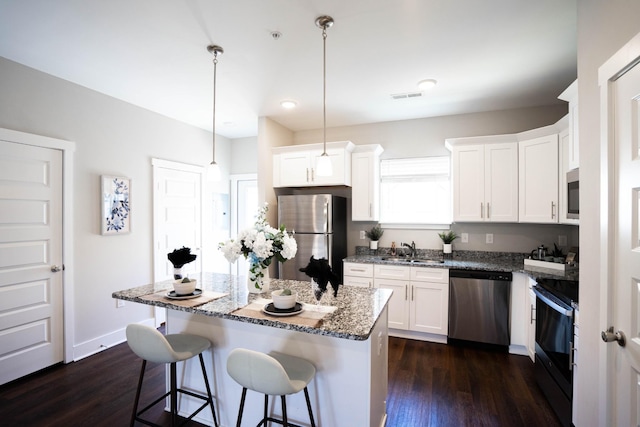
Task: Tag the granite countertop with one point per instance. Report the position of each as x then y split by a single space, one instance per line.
474 260
357 311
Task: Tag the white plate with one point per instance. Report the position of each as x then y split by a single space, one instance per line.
272 311
195 294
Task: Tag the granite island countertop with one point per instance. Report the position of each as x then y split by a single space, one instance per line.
357 309
479 261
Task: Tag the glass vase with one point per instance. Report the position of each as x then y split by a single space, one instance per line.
258 278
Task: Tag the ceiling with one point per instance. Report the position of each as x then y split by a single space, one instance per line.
486 55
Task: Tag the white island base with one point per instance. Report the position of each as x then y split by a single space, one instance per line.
349 389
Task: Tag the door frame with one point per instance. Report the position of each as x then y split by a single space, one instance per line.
68 149
623 60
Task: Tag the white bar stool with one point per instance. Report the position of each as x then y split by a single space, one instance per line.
150 345
274 374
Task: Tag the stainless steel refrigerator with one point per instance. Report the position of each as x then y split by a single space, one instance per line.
320 225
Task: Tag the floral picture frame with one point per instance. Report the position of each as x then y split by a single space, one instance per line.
115 205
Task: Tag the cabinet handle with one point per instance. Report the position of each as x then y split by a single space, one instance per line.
358 269
313 178
307 174
533 310
412 288
571 350
406 292
488 211
482 210
370 210
553 210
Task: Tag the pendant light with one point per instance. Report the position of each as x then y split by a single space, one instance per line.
324 166
213 170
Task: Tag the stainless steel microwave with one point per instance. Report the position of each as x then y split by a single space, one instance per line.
573 194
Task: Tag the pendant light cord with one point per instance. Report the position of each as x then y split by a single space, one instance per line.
215 69
324 88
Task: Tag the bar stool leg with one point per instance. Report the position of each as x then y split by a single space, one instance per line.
266 405
285 423
306 396
174 395
137 399
206 383
244 395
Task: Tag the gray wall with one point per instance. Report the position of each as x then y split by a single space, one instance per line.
113 138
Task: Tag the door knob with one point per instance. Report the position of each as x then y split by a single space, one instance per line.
55 268
610 336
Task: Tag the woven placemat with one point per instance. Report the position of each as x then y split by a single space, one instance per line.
311 315
206 297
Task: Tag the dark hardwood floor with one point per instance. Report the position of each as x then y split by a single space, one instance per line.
429 385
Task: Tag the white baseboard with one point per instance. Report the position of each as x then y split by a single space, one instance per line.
98 344
420 336
519 350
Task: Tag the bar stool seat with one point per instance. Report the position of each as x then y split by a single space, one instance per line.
150 345
274 374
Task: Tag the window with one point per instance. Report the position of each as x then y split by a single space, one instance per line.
415 191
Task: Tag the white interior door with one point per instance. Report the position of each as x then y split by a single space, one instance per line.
31 276
177 219
625 360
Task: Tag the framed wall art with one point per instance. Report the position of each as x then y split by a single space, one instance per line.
116 205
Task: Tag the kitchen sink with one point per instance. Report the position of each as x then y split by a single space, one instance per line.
411 260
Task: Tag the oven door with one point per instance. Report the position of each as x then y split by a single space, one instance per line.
554 336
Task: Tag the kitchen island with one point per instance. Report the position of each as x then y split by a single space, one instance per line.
348 346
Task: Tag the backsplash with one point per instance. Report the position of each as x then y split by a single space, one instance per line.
456 255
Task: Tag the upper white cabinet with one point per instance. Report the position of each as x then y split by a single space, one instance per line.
570 95
295 166
564 142
538 179
365 183
485 179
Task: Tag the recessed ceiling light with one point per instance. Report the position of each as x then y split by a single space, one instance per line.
426 84
288 104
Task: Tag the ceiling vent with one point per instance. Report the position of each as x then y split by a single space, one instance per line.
407 95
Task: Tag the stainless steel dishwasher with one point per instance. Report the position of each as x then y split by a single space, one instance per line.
479 306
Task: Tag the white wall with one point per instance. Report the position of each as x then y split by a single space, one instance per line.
603 28
114 138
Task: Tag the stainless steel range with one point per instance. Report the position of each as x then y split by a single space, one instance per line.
555 303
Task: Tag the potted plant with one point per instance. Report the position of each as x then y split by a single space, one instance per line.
374 235
447 238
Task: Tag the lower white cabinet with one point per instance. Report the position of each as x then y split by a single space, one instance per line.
420 300
531 326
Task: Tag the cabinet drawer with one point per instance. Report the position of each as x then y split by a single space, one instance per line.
395 272
361 282
358 269
422 274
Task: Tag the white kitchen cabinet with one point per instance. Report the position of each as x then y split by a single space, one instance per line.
519 317
357 274
429 300
295 166
485 179
531 325
570 95
538 179
420 300
397 279
365 183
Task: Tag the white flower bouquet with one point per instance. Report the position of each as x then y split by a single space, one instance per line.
260 244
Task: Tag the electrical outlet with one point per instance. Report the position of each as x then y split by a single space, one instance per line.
464 237
119 303
562 240
362 235
489 238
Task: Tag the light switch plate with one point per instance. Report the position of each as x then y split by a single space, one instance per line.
464 237
489 238
562 240
361 234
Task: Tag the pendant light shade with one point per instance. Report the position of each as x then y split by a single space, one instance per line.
213 170
324 166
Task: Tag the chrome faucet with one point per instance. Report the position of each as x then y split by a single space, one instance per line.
412 248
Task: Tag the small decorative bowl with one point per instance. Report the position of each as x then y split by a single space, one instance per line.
283 302
184 288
